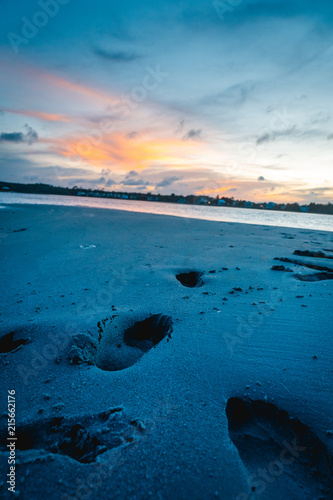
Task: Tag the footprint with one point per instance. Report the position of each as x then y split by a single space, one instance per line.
281 268
82 438
191 279
284 458
308 253
314 277
326 273
121 346
8 344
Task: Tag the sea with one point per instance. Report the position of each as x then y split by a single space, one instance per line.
205 212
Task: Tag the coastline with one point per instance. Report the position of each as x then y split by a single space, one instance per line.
270 218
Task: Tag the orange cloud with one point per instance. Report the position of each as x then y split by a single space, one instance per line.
51 117
70 86
37 74
118 150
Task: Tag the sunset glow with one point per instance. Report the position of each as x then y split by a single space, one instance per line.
213 115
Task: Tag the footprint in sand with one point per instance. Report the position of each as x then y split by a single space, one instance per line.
82 438
190 279
284 458
8 344
325 272
122 345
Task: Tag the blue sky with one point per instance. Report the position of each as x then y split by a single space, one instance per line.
224 98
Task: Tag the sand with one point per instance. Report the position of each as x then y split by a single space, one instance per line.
131 384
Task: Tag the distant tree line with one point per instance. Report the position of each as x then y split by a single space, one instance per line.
191 199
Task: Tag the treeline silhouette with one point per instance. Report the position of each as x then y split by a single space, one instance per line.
191 199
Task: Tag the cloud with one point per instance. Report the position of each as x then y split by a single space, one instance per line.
29 137
193 135
330 137
263 139
131 173
52 117
110 182
293 131
134 182
180 127
261 178
118 57
131 135
11 137
31 134
234 95
168 181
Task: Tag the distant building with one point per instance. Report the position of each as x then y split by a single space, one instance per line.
202 201
5 188
248 204
304 208
124 196
221 203
181 200
81 193
270 205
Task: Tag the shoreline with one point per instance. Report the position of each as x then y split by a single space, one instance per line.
218 214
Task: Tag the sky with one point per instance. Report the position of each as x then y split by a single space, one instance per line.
224 98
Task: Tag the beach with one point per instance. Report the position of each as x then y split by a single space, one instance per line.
101 415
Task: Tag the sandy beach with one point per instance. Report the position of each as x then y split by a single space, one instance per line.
160 357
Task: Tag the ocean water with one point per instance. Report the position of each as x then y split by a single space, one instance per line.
222 214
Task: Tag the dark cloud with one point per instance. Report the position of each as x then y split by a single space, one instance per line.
118 57
263 139
131 173
193 135
29 137
131 135
330 137
110 182
12 137
134 182
290 132
180 127
105 171
320 118
261 178
234 95
168 181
